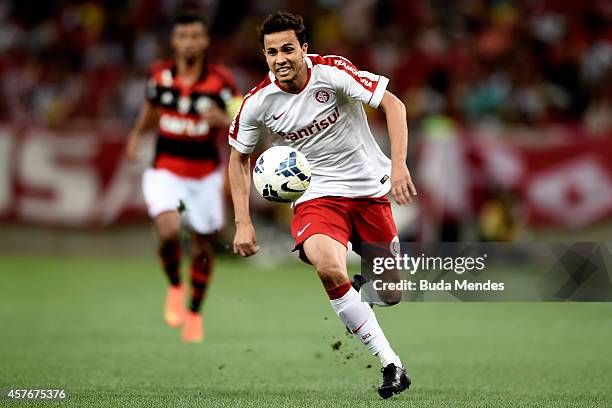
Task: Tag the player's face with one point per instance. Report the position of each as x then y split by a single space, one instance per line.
190 40
285 57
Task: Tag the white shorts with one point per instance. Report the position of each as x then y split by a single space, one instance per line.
203 198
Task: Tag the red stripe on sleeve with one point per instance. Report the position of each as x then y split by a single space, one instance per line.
347 66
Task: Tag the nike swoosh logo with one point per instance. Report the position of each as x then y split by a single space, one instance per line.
285 187
360 326
275 117
300 232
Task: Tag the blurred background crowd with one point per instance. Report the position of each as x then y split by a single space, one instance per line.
498 61
492 89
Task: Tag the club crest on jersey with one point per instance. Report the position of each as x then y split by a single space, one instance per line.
322 96
184 104
317 126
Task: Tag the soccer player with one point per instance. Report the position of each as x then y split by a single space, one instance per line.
188 100
314 104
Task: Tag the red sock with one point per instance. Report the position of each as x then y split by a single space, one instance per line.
338 291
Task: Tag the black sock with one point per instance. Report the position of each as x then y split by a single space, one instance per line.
170 254
201 271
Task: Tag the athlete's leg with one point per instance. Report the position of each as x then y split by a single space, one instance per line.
168 228
328 257
321 228
163 191
202 261
373 224
204 214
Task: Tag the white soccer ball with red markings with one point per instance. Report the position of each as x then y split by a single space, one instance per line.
281 174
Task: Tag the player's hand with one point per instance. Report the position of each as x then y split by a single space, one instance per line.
402 187
131 149
245 242
216 117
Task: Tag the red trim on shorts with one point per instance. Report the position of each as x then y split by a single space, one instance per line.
338 291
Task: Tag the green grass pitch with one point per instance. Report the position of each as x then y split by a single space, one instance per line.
95 326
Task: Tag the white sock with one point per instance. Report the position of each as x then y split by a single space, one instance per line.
361 321
388 356
381 303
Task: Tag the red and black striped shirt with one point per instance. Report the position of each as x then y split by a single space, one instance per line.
187 145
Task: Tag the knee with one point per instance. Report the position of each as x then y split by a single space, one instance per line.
390 297
168 232
394 301
328 266
201 255
168 227
202 249
169 236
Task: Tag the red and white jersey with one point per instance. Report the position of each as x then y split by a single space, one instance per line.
326 122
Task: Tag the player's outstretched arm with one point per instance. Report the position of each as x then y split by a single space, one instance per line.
146 120
402 187
245 242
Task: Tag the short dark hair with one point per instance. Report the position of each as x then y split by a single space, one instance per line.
283 21
188 18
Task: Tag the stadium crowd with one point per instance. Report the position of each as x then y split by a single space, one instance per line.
513 71
496 62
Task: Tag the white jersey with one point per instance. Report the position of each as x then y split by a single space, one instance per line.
326 122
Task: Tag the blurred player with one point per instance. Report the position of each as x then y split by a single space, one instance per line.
188 99
314 104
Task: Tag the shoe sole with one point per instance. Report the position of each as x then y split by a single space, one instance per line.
388 392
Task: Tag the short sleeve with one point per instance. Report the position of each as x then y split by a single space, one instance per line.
159 74
245 130
363 86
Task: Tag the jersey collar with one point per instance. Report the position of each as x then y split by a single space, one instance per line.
203 73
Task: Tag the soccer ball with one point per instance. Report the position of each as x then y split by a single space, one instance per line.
281 174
